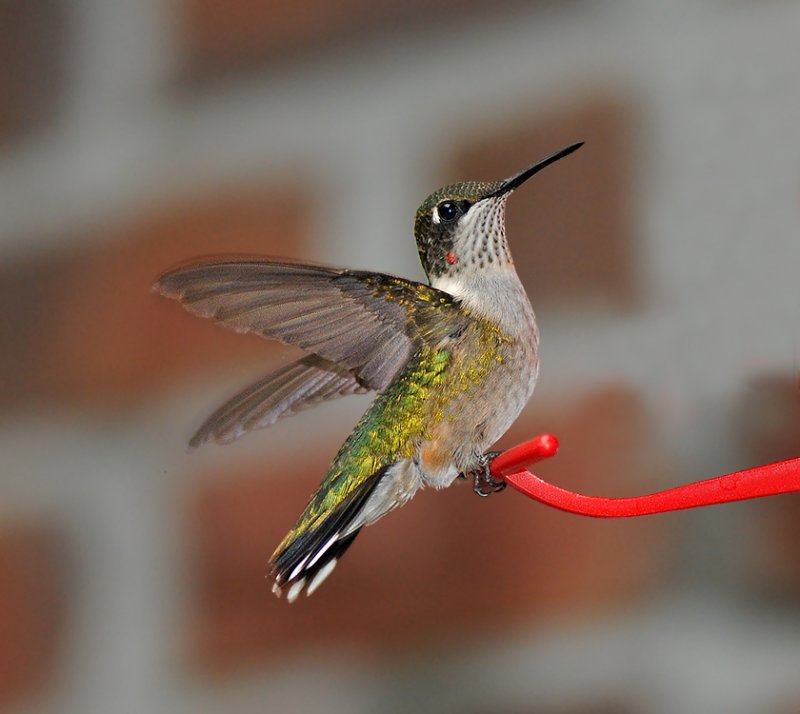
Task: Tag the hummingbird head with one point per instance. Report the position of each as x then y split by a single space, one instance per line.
462 226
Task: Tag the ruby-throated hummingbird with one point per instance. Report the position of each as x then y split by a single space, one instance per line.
453 362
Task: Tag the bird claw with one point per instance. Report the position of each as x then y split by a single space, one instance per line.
483 483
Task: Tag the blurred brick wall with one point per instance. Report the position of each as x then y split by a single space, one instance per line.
221 37
83 328
82 334
34 596
32 64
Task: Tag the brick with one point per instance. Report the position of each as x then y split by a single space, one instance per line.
32 588
768 427
32 45
222 36
570 227
768 422
85 327
448 566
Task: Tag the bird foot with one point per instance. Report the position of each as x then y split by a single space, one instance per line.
483 483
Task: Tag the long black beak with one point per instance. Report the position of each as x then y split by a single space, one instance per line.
518 179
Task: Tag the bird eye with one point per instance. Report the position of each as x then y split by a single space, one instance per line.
448 210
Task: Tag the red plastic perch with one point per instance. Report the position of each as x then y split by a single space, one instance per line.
769 480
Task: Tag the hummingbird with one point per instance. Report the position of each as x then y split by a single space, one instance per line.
453 363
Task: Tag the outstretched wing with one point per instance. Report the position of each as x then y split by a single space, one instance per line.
366 323
286 391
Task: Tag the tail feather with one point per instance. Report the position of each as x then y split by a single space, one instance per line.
308 554
314 574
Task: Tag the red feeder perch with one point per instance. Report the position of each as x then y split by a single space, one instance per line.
769 480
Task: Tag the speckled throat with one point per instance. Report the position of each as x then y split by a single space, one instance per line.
480 241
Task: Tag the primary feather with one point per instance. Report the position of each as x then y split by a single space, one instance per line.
340 315
288 390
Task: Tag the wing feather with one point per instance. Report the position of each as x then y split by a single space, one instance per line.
284 392
367 323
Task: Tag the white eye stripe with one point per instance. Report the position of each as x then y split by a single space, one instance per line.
436 218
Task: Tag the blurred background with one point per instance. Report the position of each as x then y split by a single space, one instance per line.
661 259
